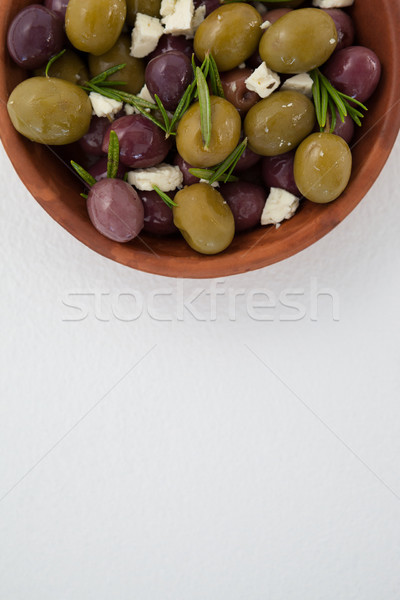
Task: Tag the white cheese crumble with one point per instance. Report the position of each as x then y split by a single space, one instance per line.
166 177
299 83
177 16
265 25
280 205
145 35
104 107
263 81
214 185
332 3
145 95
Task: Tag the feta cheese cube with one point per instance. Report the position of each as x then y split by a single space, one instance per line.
332 3
280 205
263 81
299 83
145 35
198 17
166 177
265 25
104 107
145 95
178 17
213 185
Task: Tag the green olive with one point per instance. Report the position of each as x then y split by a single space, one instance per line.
50 111
204 218
69 67
231 33
146 7
299 41
322 167
94 25
119 54
225 134
279 123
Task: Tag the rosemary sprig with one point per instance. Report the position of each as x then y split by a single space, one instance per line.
102 77
83 174
112 163
53 60
113 156
168 201
205 107
209 173
328 100
222 172
216 85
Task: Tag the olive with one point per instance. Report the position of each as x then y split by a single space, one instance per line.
279 123
145 7
50 111
235 90
322 167
231 33
132 74
94 25
225 134
69 67
299 41
204 218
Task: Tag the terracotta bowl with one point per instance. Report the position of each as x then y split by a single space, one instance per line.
57 190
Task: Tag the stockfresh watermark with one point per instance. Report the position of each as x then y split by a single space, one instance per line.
182 302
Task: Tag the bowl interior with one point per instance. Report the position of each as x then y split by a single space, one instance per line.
58 191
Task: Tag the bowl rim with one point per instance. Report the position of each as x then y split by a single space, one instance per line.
242 258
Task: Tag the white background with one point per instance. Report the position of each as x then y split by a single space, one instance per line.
153 451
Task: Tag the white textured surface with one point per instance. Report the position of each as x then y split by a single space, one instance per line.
199 474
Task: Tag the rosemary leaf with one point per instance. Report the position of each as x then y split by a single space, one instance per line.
113 156
208 173
108 93
53 60
350 99
106 74
163 113
332 109
183 105
229 163
215 78
168 201
316 91
84 196
83 174
324 105
205 107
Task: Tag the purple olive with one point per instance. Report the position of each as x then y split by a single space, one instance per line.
116 210
277 171
57 6
158 217
172 42
142 143
168 75
92 142
355 71
246 201
35 35
99 170
188 178
235 90
344 25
